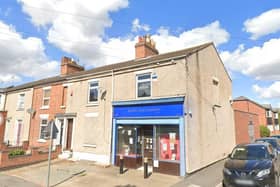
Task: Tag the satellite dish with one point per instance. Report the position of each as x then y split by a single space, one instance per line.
103 94
31 111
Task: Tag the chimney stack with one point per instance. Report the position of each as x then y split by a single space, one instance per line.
69 66
145 47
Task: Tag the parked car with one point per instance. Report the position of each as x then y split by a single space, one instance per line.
251 165
276 136
275 142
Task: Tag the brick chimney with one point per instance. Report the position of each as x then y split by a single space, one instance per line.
145 47
69 66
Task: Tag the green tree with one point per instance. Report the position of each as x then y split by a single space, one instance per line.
264 131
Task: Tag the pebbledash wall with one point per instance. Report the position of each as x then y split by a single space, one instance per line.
197 77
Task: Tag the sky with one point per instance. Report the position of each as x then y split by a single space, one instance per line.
34 35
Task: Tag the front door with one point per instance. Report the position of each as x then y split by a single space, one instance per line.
147 134
18 132
69 134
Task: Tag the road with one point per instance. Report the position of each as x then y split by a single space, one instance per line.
207 177
12 181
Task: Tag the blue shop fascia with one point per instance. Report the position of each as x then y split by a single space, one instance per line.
152 129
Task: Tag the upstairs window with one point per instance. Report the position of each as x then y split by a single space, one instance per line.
46 97
268 114
93 92
0 99
20 103
144 85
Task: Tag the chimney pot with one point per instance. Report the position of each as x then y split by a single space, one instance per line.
145 47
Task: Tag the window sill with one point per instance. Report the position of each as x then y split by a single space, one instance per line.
92 104
62 107
44 107
89 145
20 109
42 141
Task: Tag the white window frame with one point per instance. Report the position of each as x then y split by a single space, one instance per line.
44 125
0 99
46 98
276 115
93 87
269 114
20 103
145 80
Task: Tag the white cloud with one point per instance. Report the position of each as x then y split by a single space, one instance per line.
76 27
272 91
212 32
22 56
136 26
260 62
79 30
266 23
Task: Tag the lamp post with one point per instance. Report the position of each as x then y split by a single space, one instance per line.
51 123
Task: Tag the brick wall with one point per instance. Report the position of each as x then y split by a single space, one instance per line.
56 101
242 120
247 106
36 155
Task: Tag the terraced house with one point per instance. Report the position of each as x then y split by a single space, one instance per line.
171 108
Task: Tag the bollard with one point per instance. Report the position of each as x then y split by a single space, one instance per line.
146 168
121 164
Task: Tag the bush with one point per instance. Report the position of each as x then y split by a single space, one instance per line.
264 131
16 152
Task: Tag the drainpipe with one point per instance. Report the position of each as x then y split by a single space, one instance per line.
30 118
111 120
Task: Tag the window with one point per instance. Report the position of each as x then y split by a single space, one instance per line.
144 85
268 114
275 115
44 129
46 97
93 92
20 103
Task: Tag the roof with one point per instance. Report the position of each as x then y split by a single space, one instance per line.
243 98
267 106
117 66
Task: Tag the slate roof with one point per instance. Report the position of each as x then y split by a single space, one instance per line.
116 67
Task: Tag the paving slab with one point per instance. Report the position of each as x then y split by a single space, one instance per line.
11 181
37 173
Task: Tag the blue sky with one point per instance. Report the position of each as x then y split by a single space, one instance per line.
34 35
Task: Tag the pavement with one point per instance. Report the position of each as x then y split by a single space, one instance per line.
210 176
11 181
65 173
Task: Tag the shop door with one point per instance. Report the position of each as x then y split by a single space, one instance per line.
69 134
148 143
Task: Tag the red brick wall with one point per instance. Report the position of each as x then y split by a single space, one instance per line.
35 156
2 127
54 108
247 106
242 120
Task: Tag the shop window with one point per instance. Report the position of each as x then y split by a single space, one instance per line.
93 92
168 143
128 141
144 85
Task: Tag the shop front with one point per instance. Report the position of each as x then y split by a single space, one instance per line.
152 129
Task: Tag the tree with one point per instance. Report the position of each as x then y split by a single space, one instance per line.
264 131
